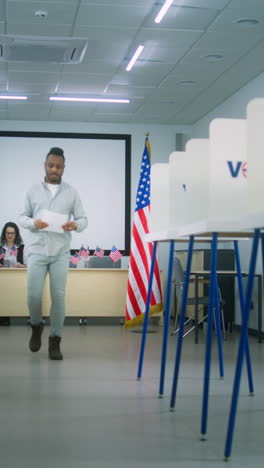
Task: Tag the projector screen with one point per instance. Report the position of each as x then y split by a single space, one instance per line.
97 165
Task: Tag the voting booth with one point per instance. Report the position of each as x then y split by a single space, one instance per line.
254 209
189 184
210 192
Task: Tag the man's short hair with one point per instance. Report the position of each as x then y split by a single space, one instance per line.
56 152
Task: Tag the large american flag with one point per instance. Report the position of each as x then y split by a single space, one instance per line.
140 254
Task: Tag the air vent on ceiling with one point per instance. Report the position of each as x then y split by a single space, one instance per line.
41 49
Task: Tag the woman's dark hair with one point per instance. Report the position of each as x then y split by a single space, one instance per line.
57 152
18 239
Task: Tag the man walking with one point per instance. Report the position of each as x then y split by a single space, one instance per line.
49 207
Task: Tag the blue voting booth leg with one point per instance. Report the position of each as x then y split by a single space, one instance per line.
218 328
208 348
242 305
182 320
242 344
146 318
166 320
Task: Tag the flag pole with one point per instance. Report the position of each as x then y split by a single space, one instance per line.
137 285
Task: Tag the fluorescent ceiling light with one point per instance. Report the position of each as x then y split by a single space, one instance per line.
186 83
74 99
163 11
247 22
213 57
14 97
135 57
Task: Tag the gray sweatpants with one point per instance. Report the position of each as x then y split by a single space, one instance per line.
38 267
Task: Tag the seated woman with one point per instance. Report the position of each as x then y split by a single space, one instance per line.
12 252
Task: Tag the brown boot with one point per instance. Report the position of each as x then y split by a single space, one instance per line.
35 340
54 348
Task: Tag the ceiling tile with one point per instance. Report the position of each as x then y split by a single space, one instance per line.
106 50
39 3
2 10
52 30
143 74
39 89
71 111
198 56
129 91
3 86
165 110
105 33
83 83
38 67
130 108
243 40
174 81
58 12
111 118
243 3
3 73
198 72
105 15
153 53
216 4
227 20
32 77
167 37
93 66
31 114
146 119
178 95
183 17
3 105
131 3
28 106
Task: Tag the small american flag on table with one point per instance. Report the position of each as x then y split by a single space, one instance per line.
99 252
115 255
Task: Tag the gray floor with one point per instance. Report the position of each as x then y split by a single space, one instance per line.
90 411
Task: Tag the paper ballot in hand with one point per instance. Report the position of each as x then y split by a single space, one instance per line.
55 220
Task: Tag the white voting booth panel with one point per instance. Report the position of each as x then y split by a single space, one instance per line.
228 178
255 153
189 181
159 202
216 180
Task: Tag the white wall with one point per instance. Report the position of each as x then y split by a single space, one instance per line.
235 107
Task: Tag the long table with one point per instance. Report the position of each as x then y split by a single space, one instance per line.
90 292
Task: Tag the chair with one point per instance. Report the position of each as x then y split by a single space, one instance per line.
177 283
